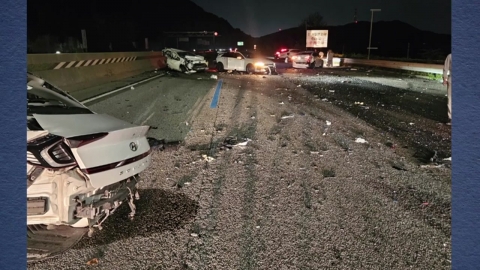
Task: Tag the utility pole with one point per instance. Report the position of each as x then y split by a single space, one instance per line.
371 25
408 51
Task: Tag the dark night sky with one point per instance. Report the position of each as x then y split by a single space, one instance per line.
261 17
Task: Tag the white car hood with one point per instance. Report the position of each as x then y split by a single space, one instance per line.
72 125
195 58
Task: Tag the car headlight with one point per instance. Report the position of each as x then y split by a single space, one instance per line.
259 64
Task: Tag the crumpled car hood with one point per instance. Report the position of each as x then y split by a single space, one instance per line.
72 125
195 58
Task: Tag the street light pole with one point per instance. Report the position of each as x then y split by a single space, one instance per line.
371 25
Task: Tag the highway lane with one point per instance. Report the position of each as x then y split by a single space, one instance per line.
165 103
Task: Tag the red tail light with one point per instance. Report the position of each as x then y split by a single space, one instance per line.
283 50
76 142
277 53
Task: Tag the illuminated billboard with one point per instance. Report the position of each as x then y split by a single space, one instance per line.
317 38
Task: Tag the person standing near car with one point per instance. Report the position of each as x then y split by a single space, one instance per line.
329 58
447 79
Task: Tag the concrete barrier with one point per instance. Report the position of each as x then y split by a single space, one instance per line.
75 72
419 67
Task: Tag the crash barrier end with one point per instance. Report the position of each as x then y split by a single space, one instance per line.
75 72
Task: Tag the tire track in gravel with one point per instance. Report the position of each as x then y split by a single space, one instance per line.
207 228
248 130
248 256
306 212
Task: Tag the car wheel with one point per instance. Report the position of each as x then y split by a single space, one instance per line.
250 69
220 67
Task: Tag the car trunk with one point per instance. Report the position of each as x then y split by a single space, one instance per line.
118 150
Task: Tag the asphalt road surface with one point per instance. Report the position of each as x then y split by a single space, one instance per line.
310 169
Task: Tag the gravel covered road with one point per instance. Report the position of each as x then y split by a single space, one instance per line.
320 182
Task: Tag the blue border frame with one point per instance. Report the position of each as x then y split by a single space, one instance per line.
13 68
465 134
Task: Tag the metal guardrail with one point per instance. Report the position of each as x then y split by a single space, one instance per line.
419 67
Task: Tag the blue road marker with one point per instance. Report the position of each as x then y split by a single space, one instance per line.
214 103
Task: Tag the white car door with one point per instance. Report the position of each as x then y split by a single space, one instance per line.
238 61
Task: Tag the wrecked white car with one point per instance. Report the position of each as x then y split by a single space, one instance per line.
183 61
81 166
236 61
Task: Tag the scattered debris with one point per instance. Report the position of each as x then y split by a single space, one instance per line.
431 166
93 261
360 140
411 124
328 123
448 159
288 116
214 77
243 143
132 88
358 103
331 91
399 166
281 103
194 235
207 158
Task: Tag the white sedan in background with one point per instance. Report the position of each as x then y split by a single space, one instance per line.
237 61
286 54
306 59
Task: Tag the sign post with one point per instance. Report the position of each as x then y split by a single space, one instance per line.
84 39
371 25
